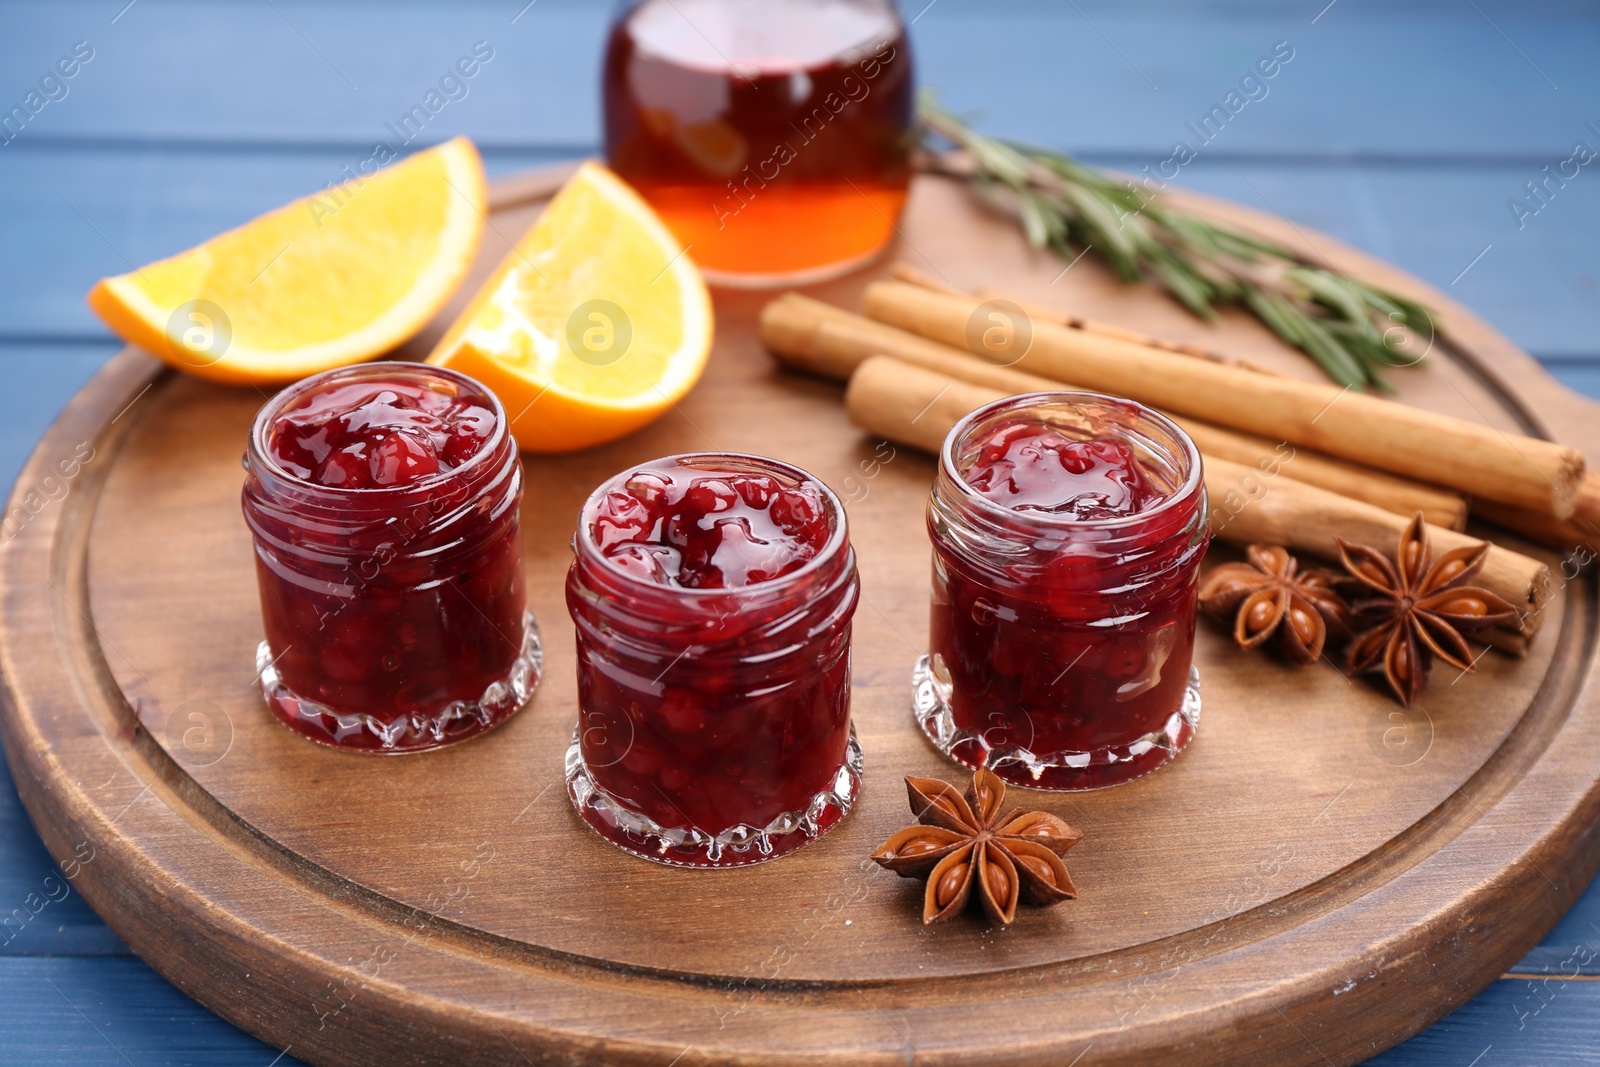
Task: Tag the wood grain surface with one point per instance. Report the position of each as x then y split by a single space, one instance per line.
1319 876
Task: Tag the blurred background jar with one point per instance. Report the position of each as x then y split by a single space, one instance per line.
772 136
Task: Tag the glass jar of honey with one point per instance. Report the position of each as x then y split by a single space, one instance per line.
772 136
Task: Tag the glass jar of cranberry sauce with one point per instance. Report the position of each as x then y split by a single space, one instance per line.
712 596
1067 535
384 503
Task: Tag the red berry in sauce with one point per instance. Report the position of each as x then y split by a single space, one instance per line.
378 435
1030 467
709 531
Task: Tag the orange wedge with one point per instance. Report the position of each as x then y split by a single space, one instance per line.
595 323
339 277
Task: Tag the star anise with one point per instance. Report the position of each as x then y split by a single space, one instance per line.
961 842
1270 595
1420 608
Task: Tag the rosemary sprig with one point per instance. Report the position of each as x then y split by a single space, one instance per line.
1352 330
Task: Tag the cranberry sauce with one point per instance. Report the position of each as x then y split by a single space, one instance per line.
712 596
1027 466
373 435
384 503
1067 532
709 531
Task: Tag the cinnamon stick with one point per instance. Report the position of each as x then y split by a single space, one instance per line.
1400 496
905 272
917 407
1579 536
822 339
1511 469
1041 313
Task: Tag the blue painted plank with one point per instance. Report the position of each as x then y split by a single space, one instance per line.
1513 1023
91 213
42 376
41 913
1366 78
1465 119
96 212
290 72
1580 375
1573 947
115 1012
1450 226
118 1011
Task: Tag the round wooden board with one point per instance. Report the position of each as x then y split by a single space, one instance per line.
1318 877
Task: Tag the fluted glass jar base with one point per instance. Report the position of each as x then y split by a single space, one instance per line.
414 731
1058 771
737 846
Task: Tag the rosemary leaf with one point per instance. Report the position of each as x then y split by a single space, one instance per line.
1347 327
1282 320
1035 218
1114 240
1326 350
1191 290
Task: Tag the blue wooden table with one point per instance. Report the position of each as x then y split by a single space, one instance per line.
1409 129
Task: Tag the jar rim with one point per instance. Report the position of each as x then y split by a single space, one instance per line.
1193 476
837 543
269 412
891 27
